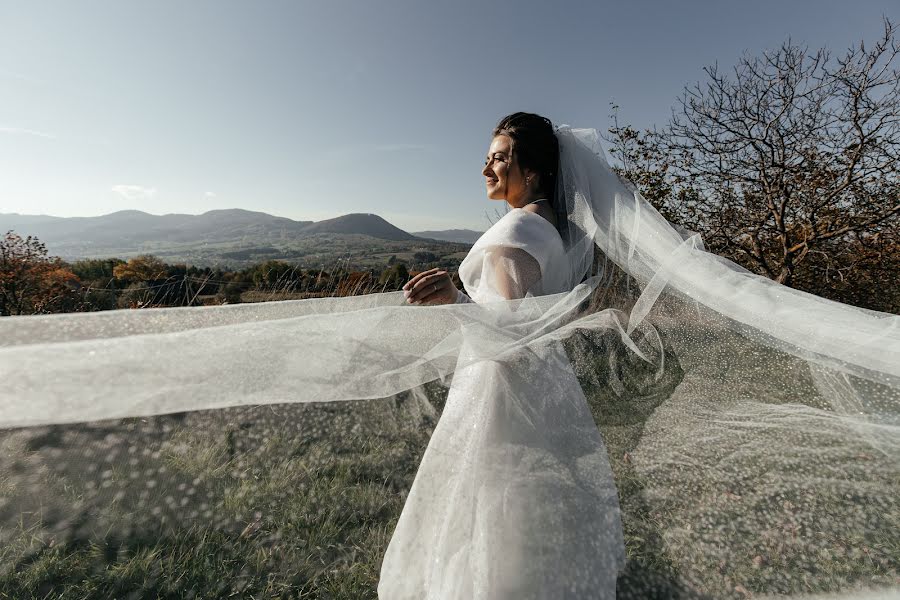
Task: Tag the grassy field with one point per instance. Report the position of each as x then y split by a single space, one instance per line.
300 500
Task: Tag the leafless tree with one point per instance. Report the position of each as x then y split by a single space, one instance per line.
789 165
794 152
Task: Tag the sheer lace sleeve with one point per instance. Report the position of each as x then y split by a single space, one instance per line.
512 259
506 273
462 298
509 273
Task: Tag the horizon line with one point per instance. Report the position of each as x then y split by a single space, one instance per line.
136 210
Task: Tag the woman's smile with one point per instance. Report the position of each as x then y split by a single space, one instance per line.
496 167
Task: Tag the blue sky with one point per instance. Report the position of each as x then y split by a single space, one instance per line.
310 110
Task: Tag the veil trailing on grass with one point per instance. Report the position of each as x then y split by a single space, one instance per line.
751 430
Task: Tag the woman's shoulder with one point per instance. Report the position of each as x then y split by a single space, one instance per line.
532 231
520 225
525 231
520 236
528 216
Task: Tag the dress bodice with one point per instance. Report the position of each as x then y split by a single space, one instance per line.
512 248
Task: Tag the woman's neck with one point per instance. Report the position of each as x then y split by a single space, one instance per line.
535 207
541 207
525 201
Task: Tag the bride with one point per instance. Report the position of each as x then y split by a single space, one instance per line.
768 466
785 422
514 497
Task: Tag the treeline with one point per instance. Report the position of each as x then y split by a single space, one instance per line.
32 282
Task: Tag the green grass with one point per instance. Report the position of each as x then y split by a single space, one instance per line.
302 510
300 501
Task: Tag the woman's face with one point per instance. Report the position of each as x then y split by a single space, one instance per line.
503 178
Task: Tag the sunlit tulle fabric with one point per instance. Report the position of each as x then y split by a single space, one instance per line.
748 443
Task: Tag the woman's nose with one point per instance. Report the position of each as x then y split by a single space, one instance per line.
487 170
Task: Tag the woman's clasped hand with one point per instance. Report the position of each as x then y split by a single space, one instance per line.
433 286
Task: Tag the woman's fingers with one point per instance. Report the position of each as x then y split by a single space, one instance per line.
424 287
427 287
409 284
430 295
422 280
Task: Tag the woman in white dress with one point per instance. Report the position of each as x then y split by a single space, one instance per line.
514 496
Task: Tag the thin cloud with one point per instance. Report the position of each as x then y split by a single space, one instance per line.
133 193
23 131
209 194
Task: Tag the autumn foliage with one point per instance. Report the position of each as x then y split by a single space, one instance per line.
141 268
30 281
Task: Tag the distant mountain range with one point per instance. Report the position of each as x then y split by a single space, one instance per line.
461 236
214 234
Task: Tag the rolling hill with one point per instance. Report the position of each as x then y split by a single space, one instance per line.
461 236
235 236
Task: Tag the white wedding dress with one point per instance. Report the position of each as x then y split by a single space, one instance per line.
514 497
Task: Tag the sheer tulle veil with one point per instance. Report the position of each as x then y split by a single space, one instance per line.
751 429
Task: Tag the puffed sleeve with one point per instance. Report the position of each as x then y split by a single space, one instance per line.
509 272
510 259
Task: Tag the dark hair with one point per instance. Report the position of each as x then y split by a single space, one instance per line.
535 147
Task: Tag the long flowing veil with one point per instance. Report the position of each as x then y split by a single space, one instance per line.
751 429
